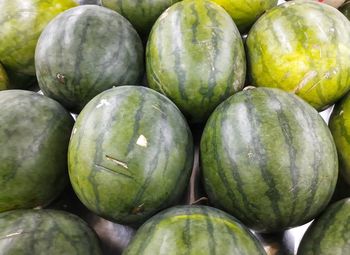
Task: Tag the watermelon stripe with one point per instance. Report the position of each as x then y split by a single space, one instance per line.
221 172
273 193
178 65
288 137
138 117
216 37
318 151
210 228
186 234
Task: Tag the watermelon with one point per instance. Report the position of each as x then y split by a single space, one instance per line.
245 12
302 47
193 230
340 127
4 80
130 154
85 51
41 232
345 9
195 56
269 159
21 22
142 14
330 233
34 133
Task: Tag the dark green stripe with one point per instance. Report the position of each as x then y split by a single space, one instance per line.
210 230
286 130
221 171
261 157
178 69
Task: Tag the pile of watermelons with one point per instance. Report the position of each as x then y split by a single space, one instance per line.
174 127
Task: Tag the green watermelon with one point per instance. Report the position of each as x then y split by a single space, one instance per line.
4 80
34 133
339 124
195 56
245 12
330 233
130 154
21 23
269 159
142 14
42 232
84 51
192 230
345 9
302 47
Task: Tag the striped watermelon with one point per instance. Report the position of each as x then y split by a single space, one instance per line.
142 14
193 230
245 12
34 136
340 127
85 51
330 233
302 47
195 56
21 22
130 154
4 80
269 159
42 232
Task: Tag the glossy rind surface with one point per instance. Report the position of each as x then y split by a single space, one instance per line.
195 56
34 136
42 232
269 159
330 233
21 23
85 51
192 230
302 47
130 154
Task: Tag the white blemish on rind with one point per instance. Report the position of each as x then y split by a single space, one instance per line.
142 141
102 103
308 77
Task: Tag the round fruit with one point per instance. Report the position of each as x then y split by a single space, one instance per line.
130 154
330 233
339 124
193 230
35 132
4 80
84 51
42 232
302 47
142 14
195 56
269 159
21 23
245 12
